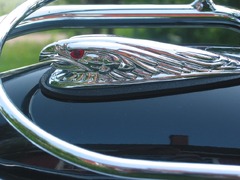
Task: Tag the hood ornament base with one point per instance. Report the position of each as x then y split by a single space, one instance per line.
136 91
107 65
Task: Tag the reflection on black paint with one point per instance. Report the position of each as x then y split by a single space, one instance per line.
204 116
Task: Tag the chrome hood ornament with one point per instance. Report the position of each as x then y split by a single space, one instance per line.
107 60
106 164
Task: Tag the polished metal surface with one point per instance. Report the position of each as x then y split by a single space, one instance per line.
80 16
118 167
92 60
23 69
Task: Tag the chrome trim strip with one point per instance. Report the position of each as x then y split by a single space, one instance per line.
24 69
81 16
117 167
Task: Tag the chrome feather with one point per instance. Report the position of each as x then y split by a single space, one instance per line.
91 60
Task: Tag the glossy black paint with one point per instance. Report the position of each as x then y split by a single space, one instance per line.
208 118
205 125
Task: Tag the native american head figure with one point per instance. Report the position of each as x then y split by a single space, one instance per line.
91 60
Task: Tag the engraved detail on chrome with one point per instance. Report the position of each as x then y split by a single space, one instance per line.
91 60
96 162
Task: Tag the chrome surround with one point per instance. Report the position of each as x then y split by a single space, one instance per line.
80 16
117 167
106 60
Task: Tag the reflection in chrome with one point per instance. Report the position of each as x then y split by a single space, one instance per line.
91 60
117 167
79 16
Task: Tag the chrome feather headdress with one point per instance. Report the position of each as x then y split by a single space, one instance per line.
106 60
156 59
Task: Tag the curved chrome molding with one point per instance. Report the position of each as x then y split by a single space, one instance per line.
24 69
129 15
17 15
92 60
118 167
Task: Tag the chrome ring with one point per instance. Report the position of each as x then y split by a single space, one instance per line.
104 164
86 16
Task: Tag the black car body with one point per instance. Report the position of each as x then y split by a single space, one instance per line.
193 122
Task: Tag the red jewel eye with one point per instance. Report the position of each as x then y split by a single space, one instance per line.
77 53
